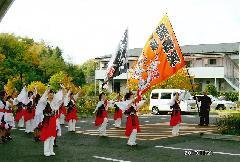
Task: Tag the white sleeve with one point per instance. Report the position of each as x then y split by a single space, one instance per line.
123 105
1 105
23 96
15 101
172 101
111 103
100 103
39 109
76 96
57 100
67 98
140 104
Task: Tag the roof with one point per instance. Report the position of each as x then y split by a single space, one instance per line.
4 6
193 49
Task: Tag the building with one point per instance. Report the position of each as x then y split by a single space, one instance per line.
216 64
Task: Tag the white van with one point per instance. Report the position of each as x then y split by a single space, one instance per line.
160 100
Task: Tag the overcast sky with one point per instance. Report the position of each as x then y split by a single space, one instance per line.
85 29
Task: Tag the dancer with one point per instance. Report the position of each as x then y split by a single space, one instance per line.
9 118
71 116
48 132
29 117
63 113
118 113
101 114
19 117
176 115
47 106
132 124
3 125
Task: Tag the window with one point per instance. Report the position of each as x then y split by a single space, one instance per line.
166 95
188 63
105 65
155 96
212 61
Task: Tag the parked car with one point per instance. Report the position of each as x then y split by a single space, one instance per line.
218 104
161 99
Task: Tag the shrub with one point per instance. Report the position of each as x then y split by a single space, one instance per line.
232 96
229 124
211 89
86 105
41 87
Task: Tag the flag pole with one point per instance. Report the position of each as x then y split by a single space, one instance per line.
127 57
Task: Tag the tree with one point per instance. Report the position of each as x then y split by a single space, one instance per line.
41 87
62 78
211 89
88 69
76 73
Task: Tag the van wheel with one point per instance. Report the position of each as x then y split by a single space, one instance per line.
220 107
155 110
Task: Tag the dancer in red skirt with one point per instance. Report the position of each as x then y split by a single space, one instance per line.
132 125
176 116
19 118
101 114
71 116
48 131
48 126
29 114
62 113
118 114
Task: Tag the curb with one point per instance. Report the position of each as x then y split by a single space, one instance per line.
221 137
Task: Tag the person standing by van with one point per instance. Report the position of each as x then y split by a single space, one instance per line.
176 118
204 109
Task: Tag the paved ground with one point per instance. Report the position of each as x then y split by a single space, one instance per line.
155 144
153 127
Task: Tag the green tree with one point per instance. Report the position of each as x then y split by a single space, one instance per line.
211 89
76 73
88 69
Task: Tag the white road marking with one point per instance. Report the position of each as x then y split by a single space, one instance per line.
82 121
109 159
176 148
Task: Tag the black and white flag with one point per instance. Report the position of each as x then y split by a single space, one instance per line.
118 62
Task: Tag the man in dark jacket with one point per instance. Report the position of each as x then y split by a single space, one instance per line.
204 109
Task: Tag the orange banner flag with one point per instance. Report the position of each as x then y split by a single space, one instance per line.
161 57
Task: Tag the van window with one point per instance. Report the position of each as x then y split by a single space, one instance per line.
166 95
155 95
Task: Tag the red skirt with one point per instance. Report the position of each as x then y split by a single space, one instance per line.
72 115
19 115
130 126
99 119
117 114
63 111
29 116
49 130
175 119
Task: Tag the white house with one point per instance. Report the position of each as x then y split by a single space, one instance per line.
216 64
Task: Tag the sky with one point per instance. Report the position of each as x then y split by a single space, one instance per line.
86 29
